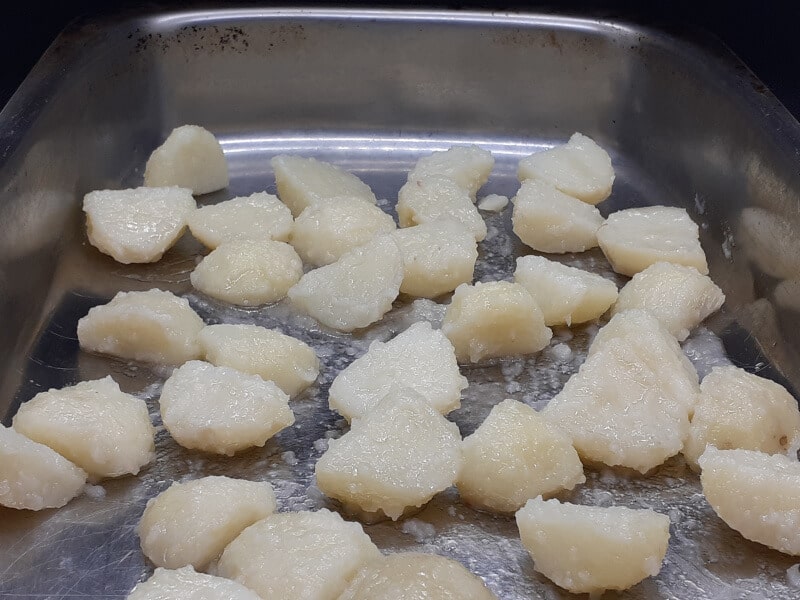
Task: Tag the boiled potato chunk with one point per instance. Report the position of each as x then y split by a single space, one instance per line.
565 295
493 203
580 168
94 424
190 157
191 523
153 326
491 319
468 166
298 555
515 455
588 549
222 410
636 238
186 584
137 225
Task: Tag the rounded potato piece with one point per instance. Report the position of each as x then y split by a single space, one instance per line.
298 555
153 326
33 476
468 166
588 549
94 424
190 157
191 523
491 319
137 225
186 584
222 410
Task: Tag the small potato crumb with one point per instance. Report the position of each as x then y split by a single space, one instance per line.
493 203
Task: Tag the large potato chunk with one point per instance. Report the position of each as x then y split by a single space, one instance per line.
33 476
636 238
565 295
137 225
494 319
186 584
468 166
97 426
515 455
588 549
273 356
191 523
190 157
153 326
421 358
355 291
298 555
400 454
580 168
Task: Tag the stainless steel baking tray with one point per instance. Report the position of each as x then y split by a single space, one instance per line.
686 125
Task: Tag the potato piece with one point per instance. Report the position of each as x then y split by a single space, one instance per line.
137 225
550 221
323 233
468 166
186 584
588 549
580 168
191 523
356 290
33 476
636 238
421 358
273 356
94 424
400 454
222 410
153 326
248 272
497 318
298 555
493 203
190 157
771 241
565 295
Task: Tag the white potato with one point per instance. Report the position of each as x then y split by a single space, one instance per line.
497 318
468 166
298 555
191 523
186 584
771 241
400 454
636 238
190 157
421 358
579 168
248 272
356 290
565 295
493 203
270 354
222 410
153 326
94 424
589 549
137 225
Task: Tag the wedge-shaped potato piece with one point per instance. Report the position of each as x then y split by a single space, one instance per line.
565 295
550 221
420 358
186 584
356 290
190 157
326 231
94 424
298 555
636 238
260 216
303 182
515 455
580 168
153 326
468 166
137 225
33 476
191 523
248 272
270 354
588 549
399 455
497 318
